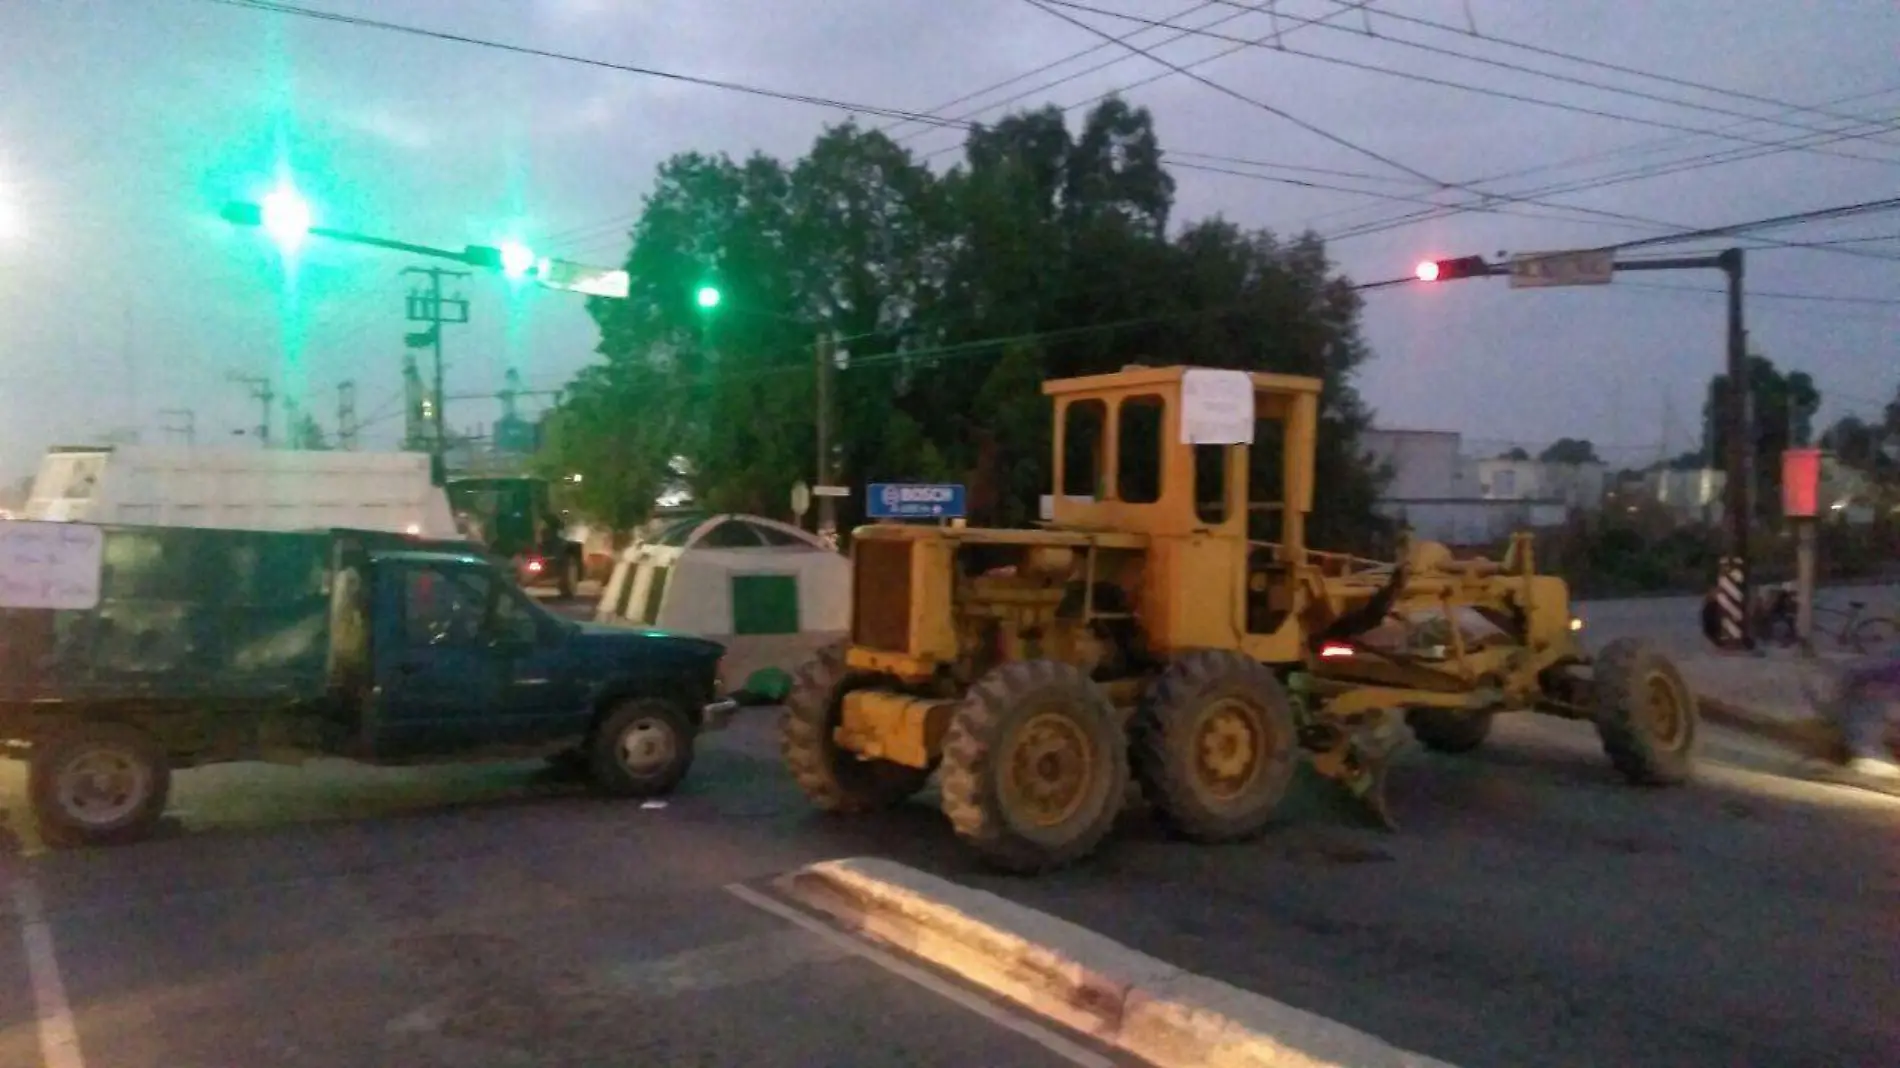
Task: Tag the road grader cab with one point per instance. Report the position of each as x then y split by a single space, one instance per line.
1171 624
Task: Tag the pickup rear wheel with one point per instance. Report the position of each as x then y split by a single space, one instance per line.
98 784
643 748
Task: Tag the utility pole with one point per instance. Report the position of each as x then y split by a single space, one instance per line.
263 395
346 415
1735 580
415 407
181 423
428 305
822 352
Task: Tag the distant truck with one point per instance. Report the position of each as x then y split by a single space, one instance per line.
514 517
129 652
231 488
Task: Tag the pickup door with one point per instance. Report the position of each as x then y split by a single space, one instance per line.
466 662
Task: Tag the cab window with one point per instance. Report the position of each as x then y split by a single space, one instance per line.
1083 425
1138 455
445 606
1266 481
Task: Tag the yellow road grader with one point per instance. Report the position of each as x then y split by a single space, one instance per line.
1171 624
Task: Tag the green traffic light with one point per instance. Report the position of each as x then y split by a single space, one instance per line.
517 260
707 297
285 216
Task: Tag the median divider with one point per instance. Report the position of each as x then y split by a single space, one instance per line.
1131 1001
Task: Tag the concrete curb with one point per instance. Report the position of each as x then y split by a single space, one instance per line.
1128 1000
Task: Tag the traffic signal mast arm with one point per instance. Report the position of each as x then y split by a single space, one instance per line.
1595 267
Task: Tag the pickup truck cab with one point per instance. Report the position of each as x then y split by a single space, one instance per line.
326 645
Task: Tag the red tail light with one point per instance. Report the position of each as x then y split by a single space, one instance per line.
534 566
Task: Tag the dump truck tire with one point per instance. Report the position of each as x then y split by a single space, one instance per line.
836 780
1645 713
1035 767
1213 746
98 784
1444 731
643 748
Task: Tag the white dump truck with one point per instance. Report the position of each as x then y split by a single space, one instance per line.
237 488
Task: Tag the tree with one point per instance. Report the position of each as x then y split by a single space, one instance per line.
1044 253
1516 452
1784 407
1570 451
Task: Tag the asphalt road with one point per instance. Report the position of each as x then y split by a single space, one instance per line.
1676 622
477 920
1532 910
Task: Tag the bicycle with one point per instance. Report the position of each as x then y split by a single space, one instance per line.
1868 635
1859 632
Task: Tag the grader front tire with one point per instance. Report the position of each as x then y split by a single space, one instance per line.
836 780
1214 744
1645 713
1035 767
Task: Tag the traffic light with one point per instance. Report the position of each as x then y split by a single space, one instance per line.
707 297
283 214
286 217
511 258
1447 270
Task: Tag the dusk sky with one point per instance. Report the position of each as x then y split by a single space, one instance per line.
125 123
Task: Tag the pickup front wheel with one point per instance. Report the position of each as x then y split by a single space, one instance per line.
642 748
98 784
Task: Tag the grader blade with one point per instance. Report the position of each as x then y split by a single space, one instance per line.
1359 762
1368 785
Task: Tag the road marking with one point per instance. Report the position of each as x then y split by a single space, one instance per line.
59 1038
1061 1046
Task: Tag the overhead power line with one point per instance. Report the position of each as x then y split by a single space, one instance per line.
1688 83
1644 171
1242 11
1772 222
1480 89
1080 53
1414 218
1244 98
274 7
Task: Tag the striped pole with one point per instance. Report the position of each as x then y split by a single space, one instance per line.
1728 598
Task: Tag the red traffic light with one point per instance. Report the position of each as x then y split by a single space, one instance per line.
1446 270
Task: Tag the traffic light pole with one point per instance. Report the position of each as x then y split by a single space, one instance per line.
1735 577
1733 584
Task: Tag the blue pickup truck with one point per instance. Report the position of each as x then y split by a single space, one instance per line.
211 646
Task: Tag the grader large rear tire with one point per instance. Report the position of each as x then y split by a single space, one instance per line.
1645 713
836 780
1213 746
1035 767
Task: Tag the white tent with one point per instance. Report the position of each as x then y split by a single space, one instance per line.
772 593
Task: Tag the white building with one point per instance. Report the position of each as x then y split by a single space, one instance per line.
1437 492
1575 485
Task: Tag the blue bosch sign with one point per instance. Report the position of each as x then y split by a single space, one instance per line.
891 500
